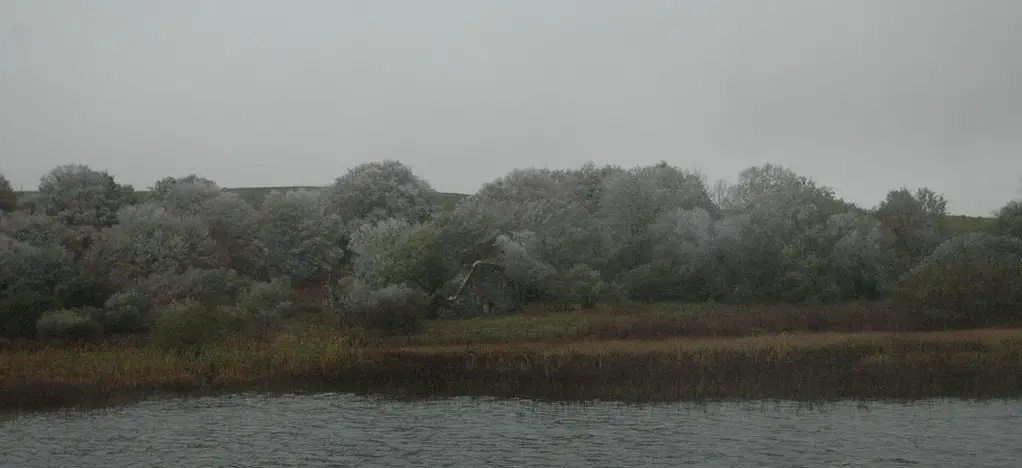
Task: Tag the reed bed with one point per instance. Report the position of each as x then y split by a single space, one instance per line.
810 367
663 320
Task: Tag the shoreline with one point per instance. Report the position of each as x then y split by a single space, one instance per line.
970 364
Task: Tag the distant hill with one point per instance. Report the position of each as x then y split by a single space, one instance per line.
957 224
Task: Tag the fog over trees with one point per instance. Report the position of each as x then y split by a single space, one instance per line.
378 248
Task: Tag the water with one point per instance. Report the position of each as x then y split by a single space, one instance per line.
342 430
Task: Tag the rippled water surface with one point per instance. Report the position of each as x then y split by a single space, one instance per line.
343 430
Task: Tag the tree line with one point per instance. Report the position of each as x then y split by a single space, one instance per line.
189 260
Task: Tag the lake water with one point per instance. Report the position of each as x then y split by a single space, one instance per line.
339 430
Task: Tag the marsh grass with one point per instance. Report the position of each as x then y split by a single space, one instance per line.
44 376
808 367
659 321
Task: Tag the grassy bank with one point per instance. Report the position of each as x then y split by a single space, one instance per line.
875 365
659 321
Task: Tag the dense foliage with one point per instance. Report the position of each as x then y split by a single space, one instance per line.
190 262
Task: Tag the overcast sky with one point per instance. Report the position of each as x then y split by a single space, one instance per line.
861 95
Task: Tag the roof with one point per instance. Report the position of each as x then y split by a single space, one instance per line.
473 273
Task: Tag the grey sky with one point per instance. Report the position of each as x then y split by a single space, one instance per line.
864 95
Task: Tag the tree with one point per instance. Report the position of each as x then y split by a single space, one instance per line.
916 221
862 259
1008 221
233 222
719 193
681 265
396 251
304 243
557 206
80 196
38 229
185 193
776 193
631 201
769 245
34 279
148 239
8 199
969 280
380 190
519 255
134 309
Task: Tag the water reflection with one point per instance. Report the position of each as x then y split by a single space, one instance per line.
344 430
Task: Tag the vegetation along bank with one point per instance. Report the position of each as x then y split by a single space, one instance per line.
633 283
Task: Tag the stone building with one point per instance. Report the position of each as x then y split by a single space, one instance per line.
486 291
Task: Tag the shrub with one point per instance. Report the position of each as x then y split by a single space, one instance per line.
395 251
970 280
80 196
148 239
265 303
34 279
70 324
303 242
184 193
132 310
8 199
128 312
393 309
583 287
188 325
379 190
20 311
1008 221
40 229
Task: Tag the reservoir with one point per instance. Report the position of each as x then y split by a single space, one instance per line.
342 430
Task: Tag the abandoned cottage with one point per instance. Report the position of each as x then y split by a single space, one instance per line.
486 291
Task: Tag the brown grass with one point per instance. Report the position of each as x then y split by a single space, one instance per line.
876 365
659 321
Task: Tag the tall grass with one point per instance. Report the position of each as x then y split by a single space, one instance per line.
658 321
46 375
877 365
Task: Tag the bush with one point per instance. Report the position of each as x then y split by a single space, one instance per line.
132 310
8 199
148 239
1008 221
80 196
379 190
395 251
303 242
70 324
968 281
394 309
34 279
38 229
128 312
20 312
583 287
188 325
266 303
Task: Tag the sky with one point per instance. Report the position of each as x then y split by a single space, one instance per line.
864 96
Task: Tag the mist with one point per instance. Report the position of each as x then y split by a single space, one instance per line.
861 96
